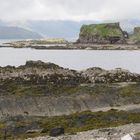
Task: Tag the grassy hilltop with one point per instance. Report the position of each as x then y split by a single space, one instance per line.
103 30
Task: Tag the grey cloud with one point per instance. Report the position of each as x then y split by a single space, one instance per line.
69 9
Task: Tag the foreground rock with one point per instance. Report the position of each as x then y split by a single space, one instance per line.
46 89
40 98
25 126
56 132
129 137
39 71
126 132
99 75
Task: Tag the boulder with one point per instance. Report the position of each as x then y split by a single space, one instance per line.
129 137
56 131
45 130
34 131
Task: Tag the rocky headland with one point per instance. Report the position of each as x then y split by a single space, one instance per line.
38 96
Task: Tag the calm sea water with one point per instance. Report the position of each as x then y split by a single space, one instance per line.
73 59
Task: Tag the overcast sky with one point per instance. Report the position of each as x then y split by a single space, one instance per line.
69 9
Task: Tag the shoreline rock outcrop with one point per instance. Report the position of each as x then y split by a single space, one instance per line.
49 72
99 75
38 97
47 89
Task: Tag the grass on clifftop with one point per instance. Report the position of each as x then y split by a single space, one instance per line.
136 35
103 30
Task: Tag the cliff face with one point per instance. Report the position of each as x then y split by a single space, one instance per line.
135 37
68 100
102 34
46 89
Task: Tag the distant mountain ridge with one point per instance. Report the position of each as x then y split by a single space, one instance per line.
11 32
67 29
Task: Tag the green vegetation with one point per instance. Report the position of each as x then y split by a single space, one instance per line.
104 30
87 120
56 85
136 35
77 122
130 90
33 88
49 41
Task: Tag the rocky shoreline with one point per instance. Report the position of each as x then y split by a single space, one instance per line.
37 97
74 46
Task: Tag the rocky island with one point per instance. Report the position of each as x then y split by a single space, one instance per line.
105 36
108 33
44 99
108 36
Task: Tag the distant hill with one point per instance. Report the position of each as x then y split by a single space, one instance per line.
9 32
57 28
65 28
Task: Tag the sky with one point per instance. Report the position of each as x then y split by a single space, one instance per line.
76 10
